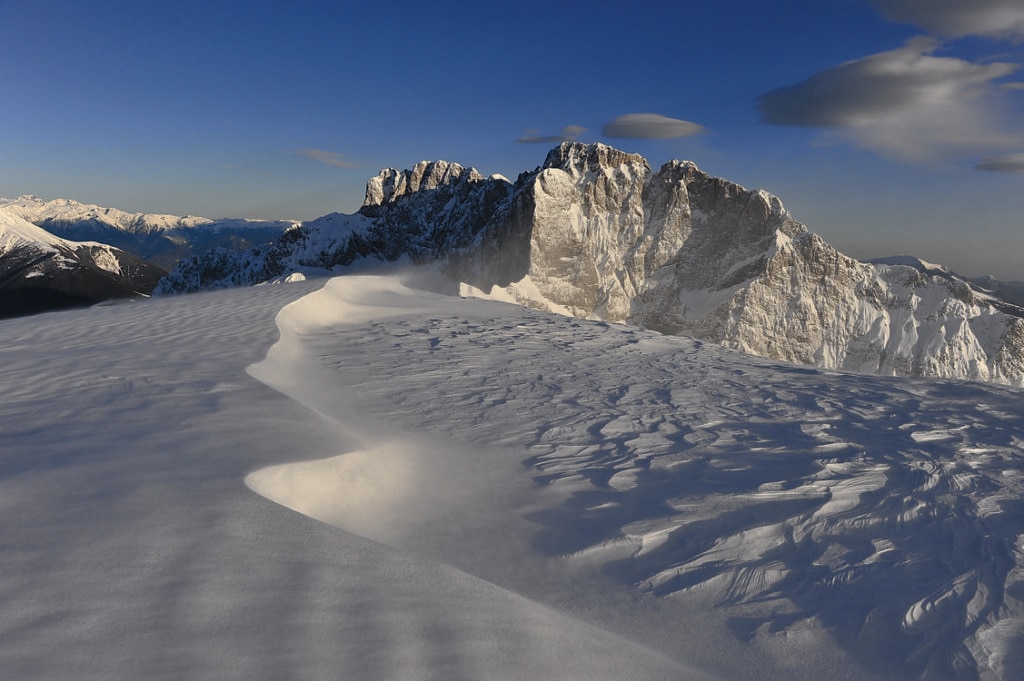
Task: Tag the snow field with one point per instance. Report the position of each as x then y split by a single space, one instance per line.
506 494
132 549
812 522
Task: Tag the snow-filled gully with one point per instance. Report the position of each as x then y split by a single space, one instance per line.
745 516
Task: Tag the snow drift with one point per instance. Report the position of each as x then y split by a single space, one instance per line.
801 515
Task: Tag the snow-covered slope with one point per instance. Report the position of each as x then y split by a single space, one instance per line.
505 494
132 548
159 239
1011 292
39 271
597 234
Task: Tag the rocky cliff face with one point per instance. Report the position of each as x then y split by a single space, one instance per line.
680 251
612 240
813 305
596 233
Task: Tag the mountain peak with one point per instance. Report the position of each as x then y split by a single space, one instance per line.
590 157
17 231
391 184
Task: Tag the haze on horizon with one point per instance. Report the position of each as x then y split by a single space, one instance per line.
887 126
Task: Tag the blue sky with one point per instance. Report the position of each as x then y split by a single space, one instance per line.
887 126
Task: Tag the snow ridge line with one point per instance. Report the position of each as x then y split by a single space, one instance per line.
386 488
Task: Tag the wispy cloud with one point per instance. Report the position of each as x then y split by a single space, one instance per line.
957 18
903 103
649 126
1002 163
328 157
569 134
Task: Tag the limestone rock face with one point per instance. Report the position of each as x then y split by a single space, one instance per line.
813 305
609 238
588 227
595 233
682 252
391 184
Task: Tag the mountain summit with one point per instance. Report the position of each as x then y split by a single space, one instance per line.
596 233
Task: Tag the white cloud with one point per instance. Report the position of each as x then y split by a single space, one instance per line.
956 18
903 103
569 134
649 126
328 157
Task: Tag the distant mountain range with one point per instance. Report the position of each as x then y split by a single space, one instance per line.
160 239
39 271
33 285
595 233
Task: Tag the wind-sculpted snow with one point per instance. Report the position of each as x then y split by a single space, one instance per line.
522 496
132 550
595 233
787 513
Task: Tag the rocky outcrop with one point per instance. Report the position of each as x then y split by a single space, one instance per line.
595 233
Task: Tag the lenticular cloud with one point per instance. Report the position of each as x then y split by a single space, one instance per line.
904 103
956 18
1002 163
649 126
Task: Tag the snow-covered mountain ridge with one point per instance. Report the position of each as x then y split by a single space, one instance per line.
1001 292
39 271
596 233
157 238
67 211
